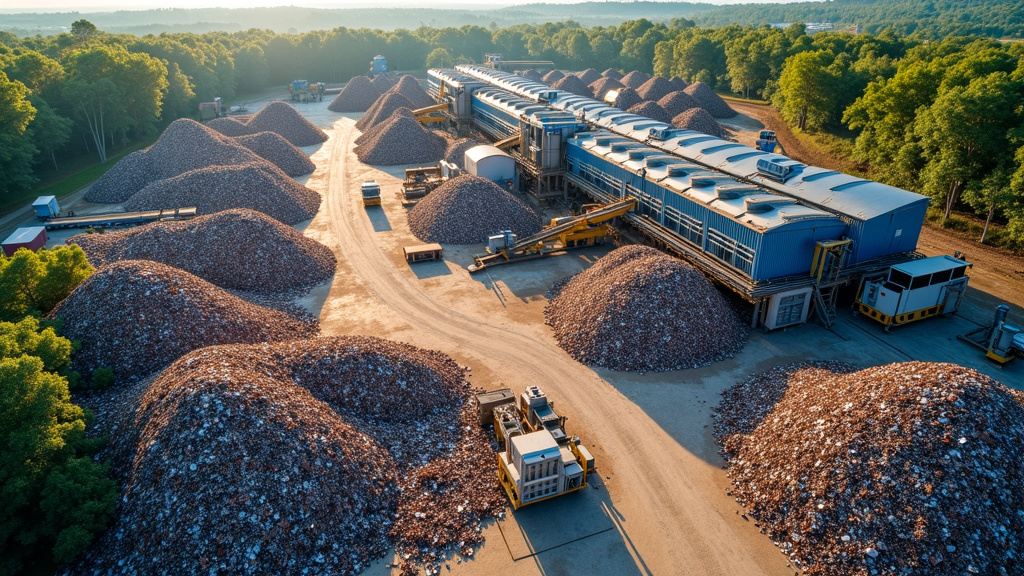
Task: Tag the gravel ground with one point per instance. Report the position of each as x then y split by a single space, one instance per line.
137 316
456 152
677 102
655 89
600 87
573 84
401 140
552 77
309 456
282 118
382 110
911 468
651 110
589 76
638 309
282 153
258 186
184 145
612 73
710 101
678 83
233 126
698 119
382 82
627 98
275 258
357 96
467 209
634 79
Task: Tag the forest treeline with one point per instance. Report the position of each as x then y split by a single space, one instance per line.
940 117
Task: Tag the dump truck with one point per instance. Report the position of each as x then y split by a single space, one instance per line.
371 193
421 181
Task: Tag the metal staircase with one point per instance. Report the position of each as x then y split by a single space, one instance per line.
826 269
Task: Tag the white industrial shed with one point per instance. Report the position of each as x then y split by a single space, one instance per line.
491 163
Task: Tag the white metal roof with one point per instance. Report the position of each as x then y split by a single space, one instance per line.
478 153
25 234
929 265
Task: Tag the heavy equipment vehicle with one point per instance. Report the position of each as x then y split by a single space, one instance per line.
537 459
421 181
303 91
431 114
913 291
379 65
767 142
560 235
371 193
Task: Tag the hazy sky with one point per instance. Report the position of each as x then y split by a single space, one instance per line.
103 5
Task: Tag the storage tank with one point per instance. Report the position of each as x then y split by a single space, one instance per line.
489 162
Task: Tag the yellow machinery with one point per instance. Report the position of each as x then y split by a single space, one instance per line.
538 460
371 193
562 234
431 114
913 291
999 339
421 181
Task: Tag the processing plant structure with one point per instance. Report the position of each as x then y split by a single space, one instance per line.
782 234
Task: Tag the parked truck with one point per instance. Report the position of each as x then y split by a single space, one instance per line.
371 193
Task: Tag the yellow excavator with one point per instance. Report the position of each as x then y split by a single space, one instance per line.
433 113
562 234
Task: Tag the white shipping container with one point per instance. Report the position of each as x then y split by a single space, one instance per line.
489 162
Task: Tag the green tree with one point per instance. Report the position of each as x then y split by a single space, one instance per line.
26 338
35 282
16 149
49 131
439 58
807 90
83 29
53 498
251 68
698 54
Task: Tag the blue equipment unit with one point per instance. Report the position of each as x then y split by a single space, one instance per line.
379 65
46 207
766 141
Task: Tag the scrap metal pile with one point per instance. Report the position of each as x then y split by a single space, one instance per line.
601 87
677 102
552 77
635 79
678 83
274 148
137 316
655 89
456 152
589 76
627 98
400 140
358 95
257 186
467 209
651 110
638 309
709 101
612 73
282 118
277 258
698 119
411 88
910 468
382 109
280 457
573 84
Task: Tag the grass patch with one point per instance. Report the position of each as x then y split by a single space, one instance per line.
733 98
969 227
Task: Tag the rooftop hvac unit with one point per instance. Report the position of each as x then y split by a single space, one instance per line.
661 133
774 170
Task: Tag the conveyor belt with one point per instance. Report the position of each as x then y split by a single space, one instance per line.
120 218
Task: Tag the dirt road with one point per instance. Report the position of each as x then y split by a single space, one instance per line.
660 492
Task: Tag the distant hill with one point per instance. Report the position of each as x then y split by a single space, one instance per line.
930 18
295 19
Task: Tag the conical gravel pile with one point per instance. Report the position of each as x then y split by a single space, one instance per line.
589 76
612 73
456 152
372 131
357 96
467 209
627 98
677 102
601 87
678 83
233 126
634 79
638 309
573 84
137 316
401 140
282 118
651 110
382 110
382 82
698 119
532 74
654 89
184 145
235 452
411 88
282 153
710 101
209 247
258 186
910 468
552 77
